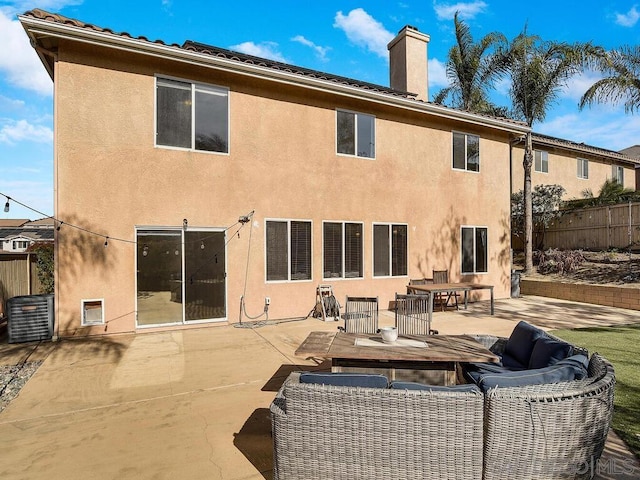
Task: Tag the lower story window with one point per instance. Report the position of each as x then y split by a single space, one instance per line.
288 250
389 250
474 250
342 250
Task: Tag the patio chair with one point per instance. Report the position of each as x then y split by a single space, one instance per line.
419 281
444 299
412 315
360 315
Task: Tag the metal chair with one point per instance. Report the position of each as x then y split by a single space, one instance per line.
443 299
412 315
360 315
419 281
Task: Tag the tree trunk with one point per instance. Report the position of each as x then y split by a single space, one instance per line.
528 205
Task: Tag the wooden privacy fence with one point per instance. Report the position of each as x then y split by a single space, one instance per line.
18 276
596 228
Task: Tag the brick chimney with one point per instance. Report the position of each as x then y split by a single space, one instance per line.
408 62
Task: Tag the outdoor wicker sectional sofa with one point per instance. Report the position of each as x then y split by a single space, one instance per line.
410 431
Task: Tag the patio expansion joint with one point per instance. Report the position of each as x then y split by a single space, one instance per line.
130 402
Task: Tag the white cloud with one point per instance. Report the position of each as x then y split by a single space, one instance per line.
437 74
579 84
264 50
19 62
321 52
21 6
12 131
628 19
601 127
364 30
446 11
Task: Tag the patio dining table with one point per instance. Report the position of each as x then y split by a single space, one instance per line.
432 289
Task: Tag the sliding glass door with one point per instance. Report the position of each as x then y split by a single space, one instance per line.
180 276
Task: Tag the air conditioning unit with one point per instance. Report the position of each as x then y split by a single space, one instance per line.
30 318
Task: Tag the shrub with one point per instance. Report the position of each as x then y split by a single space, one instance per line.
558 261
44 264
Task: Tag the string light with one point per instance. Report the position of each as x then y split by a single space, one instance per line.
241 220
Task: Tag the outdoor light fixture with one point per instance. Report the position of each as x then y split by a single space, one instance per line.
106 242
6 206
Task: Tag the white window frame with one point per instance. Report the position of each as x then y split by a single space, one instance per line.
475 250
617 174
544 161
289 246
83 311
374 134
343 224
390 245
583 168
194 87
466 153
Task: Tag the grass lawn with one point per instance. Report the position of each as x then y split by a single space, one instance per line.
621 346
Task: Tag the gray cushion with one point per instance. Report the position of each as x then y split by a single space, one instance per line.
345 379
466 387
554 374
579 363
547 352
520 345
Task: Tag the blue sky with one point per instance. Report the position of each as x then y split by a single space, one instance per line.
345 38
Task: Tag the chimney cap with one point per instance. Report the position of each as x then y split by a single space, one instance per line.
409 31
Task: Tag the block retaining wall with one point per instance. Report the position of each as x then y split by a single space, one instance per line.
612 296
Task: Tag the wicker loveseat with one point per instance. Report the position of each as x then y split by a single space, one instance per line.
345 432
541 431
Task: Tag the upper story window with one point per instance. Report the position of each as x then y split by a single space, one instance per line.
475 251
541 161
466 152
617 174
342 254
583 168
389 250
288 244
192 115
356 134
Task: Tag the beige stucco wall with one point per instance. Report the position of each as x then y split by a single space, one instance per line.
282 163
563 171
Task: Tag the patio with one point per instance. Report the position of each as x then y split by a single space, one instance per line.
195 403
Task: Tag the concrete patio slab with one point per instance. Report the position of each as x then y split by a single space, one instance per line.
195 403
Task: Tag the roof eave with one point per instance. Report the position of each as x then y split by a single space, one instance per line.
36 28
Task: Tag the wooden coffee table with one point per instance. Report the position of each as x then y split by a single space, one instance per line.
428 359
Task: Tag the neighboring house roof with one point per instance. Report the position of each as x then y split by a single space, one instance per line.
13 222
632 151
546 140
35 234
44 30
47 222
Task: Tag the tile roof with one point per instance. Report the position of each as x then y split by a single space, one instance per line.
582 147
204 49
263 62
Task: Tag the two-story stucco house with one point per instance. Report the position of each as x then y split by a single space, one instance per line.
575 166
199 176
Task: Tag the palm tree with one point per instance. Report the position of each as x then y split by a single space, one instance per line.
538 71
621 82
470 71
